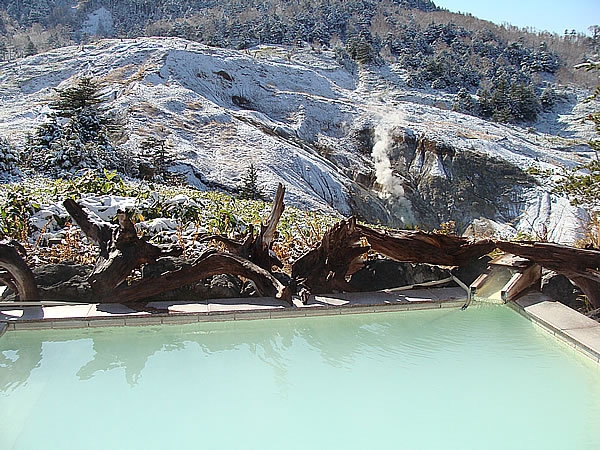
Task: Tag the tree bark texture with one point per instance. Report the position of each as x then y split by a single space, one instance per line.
336 257
16 273
431 248
581 266
209 264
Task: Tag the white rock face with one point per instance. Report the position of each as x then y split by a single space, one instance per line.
99 23
554 219
294 114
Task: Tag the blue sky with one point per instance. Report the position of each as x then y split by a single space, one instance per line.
553 16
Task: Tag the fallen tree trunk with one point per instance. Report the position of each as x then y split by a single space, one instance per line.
209 264
336 257
328 266
430 248
17 275
121 250
581 266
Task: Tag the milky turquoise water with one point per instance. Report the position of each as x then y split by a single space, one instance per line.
484 378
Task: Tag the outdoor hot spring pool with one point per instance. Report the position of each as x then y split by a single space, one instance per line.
484 378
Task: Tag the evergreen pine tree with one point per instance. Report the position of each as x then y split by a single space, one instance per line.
464 102
250 187
155 151
548 99
74 100
77 135
8 160
30 49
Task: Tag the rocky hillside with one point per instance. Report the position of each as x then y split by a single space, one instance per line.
360 141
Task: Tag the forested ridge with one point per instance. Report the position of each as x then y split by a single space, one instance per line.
440 50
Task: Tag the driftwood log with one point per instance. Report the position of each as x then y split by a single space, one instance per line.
211 263
15 273
121 250
431 248
336 257
325 268
328 266
581 266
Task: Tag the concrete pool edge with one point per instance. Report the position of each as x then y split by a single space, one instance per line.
567 325
216 310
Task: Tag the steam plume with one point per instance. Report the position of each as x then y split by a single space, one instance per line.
391 185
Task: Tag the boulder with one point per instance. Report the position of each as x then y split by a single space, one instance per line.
380 274
560 288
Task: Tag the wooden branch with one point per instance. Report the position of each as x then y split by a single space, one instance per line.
209 264
7 280
231 245
99 232
581 266
20 273
259 250
431 248
127 253
326 267
121 251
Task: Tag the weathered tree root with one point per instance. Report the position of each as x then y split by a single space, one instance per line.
336 257
207 265
257 248
325 268
16 274
121 250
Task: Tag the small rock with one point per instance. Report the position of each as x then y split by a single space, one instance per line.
225 286
560 288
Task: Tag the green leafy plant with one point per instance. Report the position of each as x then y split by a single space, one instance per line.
101 182
15 212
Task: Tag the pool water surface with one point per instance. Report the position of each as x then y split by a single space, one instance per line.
483 378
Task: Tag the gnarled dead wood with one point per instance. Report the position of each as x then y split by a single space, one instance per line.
208 264
258 248
100 233
431 248
581 266
124 250
17 274
326 267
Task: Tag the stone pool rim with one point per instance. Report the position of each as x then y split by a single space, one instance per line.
565 324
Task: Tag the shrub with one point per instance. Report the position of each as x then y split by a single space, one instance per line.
8 160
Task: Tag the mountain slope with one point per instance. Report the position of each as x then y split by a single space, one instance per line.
358 142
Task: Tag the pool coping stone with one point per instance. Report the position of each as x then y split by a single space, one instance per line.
571 327
217 310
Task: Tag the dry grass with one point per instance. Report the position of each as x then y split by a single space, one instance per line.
73 247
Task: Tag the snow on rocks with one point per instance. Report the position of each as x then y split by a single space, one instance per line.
289 112
105 207
553 219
